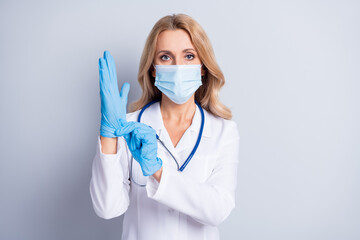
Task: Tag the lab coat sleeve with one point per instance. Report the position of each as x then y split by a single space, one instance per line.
109 184
208 202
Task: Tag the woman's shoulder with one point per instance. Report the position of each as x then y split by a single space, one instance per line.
221 127
217 121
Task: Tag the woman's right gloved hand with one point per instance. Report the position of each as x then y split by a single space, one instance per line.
141 140
113 104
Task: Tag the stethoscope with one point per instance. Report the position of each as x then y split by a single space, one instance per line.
162 143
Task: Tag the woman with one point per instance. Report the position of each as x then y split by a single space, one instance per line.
183 180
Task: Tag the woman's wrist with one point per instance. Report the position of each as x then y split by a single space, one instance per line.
157 175
108 145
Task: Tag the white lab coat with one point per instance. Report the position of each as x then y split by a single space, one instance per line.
184 205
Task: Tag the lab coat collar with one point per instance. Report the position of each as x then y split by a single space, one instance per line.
152 116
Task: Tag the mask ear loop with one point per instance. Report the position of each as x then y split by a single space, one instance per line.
202 76
154 67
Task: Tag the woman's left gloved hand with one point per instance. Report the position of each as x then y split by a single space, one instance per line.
141 140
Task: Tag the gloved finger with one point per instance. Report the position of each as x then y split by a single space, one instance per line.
125 129
148 150
110 68
130 127
130 142
122 122
111 65
106 57
127 138
124 92
137 140
145 133
103 74
144 136
144 127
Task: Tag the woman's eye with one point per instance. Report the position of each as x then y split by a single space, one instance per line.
189 56
164 57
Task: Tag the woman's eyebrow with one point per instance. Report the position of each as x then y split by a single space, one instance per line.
187 49
167 51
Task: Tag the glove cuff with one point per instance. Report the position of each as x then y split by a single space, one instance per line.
107 132
155 166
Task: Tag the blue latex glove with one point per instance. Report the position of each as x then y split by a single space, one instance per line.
113 105
141 140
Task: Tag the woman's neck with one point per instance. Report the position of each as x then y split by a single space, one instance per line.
177 113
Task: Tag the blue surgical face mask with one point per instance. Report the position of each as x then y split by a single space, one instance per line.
178 82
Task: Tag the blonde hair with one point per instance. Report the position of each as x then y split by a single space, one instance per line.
212 81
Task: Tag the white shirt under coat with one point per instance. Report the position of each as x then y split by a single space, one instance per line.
184 205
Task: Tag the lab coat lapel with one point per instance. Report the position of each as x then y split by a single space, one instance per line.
188 140
152 117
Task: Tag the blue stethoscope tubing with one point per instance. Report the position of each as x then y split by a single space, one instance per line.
197 141
196 144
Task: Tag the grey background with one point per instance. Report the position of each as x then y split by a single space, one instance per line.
292 72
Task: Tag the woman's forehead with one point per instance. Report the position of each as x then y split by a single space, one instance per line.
173 40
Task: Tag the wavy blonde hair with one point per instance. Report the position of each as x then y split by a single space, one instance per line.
212 81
